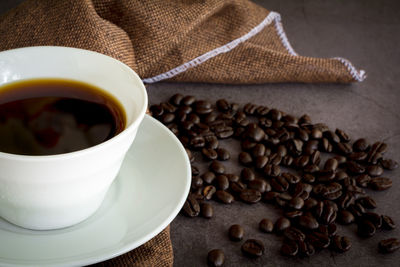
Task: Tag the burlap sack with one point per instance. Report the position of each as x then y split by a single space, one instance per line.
219 41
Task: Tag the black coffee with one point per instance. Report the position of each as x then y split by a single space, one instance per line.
55 116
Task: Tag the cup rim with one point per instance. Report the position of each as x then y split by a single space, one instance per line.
93 149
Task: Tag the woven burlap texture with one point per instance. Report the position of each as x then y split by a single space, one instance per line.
156 36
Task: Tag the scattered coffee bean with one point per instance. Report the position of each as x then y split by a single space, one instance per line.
374 170
360 145
389 164
346 217
389 245
289 248
253 248
366 228
380 183
224 197
236 232
206 210
223 154
281 224
191 208
341 243
266 225
215 257
217 167
388 223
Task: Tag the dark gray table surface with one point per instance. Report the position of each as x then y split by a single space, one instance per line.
367 32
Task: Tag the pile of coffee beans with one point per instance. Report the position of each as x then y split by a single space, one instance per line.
282 158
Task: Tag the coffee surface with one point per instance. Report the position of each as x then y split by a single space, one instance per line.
55 116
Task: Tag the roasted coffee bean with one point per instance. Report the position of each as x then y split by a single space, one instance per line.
363 180
256 134
247 144
167 118
236 232
354 167
197 182
329 230
389 245
211 142
211 117
380 183
223 154
279 184
187 100
189 154
302 135
294 234
346 217
341 243
206 210
374 218
237 187
224 197
340 159
376 151
222 105
259 184
309 178
262 110
389 164
367 202
331 164
374 170
232 177
281 224
296 203
224 132
194 118
344 148
247 175
342 135
318 240
308 222
295 146
249 108
326 176
156 110
287 161
217 167
209 191
266 225
215 257
245 158
168 107
289 248
360 145
250 196
209 154
222 182
326 146
202 107
315 157
331 136
316 134
293 214
310 147
365 228
253 248
306 249
197 142
357 156
304 119
301 161
388 223
208 177
258 150
310 203
270 196
191 208
274 114
275 159
291 178
260 162
195 170
281 151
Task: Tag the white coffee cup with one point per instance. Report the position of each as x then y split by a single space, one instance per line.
56 191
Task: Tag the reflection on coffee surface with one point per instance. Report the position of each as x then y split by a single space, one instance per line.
55 116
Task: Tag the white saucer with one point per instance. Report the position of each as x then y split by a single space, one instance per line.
146 196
